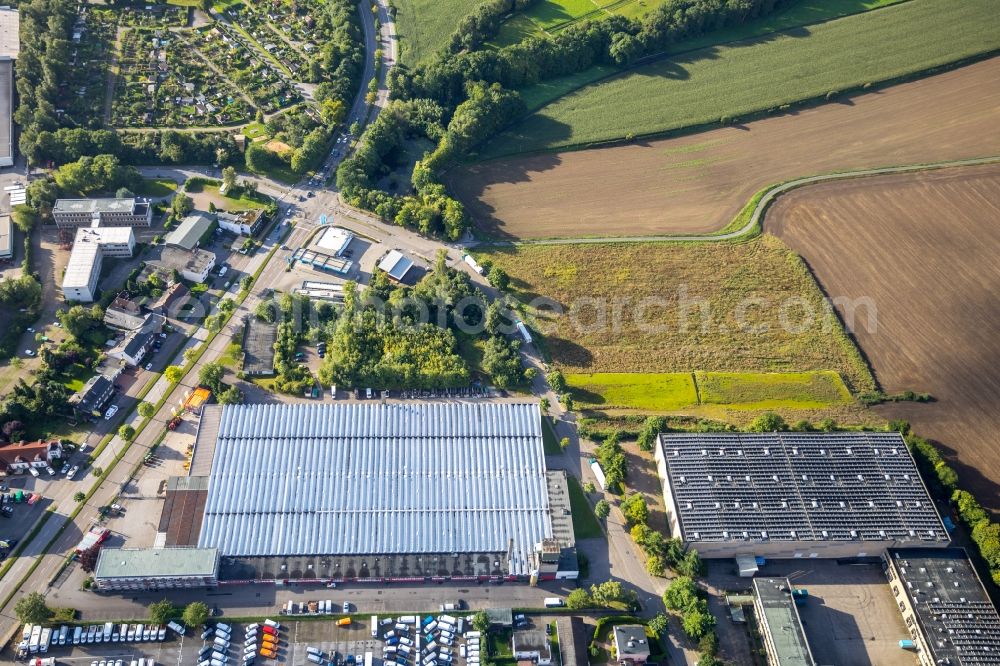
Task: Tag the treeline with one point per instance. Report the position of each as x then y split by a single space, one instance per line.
161 147
87 175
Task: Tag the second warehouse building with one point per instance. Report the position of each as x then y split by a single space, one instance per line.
406 492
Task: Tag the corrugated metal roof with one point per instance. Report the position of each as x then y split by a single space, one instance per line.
377 479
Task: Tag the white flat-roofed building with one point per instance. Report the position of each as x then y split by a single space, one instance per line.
791 495
10 47
156 568
335 240
103 212
92 244
414 492
244 223
6 238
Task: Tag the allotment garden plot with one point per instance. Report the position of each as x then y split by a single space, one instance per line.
255 73
164 83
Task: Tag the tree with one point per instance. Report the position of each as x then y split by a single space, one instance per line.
579 598
656 565
195 614
635 510
768 422
265 311
481 622
173 373
229 179
612 591
31 609
556 380
690 565
659 624
589 487
650 429
602 509
146 409
79 496
88 558
24 218
13 430
161 612
97 471
210 375
680 594
126 432
544 405
182 204
498 278
697 621
231 396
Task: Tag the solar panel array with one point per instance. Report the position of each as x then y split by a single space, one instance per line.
353 479
798 487
956 615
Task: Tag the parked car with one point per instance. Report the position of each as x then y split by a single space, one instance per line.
72 472
149 366
49 470
28 352
7 511
112 410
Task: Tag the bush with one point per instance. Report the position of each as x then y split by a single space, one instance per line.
768 422
602 509
195 614
635 510
31 609
653 426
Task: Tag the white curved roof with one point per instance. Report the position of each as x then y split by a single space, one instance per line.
376 478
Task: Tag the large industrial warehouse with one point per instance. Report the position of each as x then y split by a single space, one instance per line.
789 495
374 491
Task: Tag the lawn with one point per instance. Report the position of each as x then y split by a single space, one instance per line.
255 130
677 308
684 391
157 187
203 194
585 525
424 26
550 16
729 81
549 439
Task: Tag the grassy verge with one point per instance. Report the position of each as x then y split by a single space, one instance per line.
156 187
585 525
549 439
701 87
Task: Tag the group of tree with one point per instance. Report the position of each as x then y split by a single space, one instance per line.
20 302
611 458
984 531
608 594
684 598
85 324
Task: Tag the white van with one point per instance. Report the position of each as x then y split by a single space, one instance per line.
405 650
77 633
272 624
178 628
554 602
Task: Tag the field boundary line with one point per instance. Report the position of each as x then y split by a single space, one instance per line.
752 226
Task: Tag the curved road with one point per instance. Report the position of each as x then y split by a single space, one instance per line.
769 196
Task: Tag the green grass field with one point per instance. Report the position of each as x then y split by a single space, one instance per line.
549 16
674 391
255 130
424 26
702 86
585 525
157 187
549 439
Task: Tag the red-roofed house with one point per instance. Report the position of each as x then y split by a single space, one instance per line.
17 457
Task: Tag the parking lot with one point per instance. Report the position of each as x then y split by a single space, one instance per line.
339 645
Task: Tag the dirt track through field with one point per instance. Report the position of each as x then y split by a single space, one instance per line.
925 249
698 183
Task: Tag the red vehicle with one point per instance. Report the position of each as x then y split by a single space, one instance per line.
271 631
95 536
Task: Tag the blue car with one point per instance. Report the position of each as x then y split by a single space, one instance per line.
392 641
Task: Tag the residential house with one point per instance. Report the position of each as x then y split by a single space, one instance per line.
631 644
533 645
18 457
124 314
95 394
133 349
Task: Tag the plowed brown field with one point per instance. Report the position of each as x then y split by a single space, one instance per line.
925 248
698 183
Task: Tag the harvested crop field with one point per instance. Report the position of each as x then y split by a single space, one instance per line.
656 308
697 183
925 248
